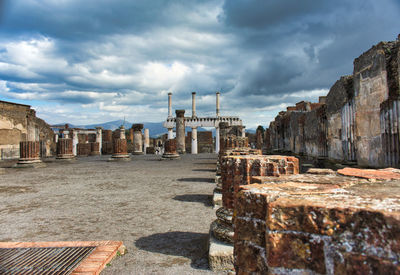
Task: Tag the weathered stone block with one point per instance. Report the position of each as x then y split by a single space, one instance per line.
295 251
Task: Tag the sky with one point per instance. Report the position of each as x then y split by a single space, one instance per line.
94 61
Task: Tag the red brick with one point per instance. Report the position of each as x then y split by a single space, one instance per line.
360 264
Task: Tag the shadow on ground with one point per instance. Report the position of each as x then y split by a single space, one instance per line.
210 180
205 170
201 198
186 244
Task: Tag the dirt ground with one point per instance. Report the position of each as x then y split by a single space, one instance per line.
161 210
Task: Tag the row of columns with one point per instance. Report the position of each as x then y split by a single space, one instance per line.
180 126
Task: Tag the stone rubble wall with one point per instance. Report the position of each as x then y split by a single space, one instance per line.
358 121
18 123
319 224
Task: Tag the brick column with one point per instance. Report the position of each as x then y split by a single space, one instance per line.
29 152
64 149
180 131
137 139
170 149
120 147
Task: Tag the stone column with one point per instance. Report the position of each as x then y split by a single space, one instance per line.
29 154
170 149
169 105
180 131
64 149
194 104
120 147
217 103
170 133
74 142
99 138
146 139
194 140
243 131
217 140
137 139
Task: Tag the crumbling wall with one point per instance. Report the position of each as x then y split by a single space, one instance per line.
18 123
359 119
340 127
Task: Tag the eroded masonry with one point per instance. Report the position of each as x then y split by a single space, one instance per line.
358 121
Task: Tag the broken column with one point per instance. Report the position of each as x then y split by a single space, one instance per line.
120 146
64 149
137 139
319 224
237 170
146 140
107 138
170 149
180 131
29 152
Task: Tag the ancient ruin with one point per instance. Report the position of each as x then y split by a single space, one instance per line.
194 122
357 122
18 123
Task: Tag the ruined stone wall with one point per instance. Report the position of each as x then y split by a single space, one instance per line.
340 127
18 122
359 119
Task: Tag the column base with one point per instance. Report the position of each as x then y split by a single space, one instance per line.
220 255
29 163
65 158
222 227
170 156
137 153
125 157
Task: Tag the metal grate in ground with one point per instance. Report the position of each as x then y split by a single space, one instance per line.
42 260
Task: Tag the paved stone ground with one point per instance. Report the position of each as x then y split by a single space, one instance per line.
161 210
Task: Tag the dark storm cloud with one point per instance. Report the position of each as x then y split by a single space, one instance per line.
110 55
306 45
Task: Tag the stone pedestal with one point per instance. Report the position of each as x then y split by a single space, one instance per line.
29 152
180 131
64 149
170 149
237 169
137 139
120 146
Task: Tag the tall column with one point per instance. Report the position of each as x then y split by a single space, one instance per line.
74 142
170 133
180 131
99 137
146 139
217 103
169 105
243 131
217 140
194 104
137 139
194 140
